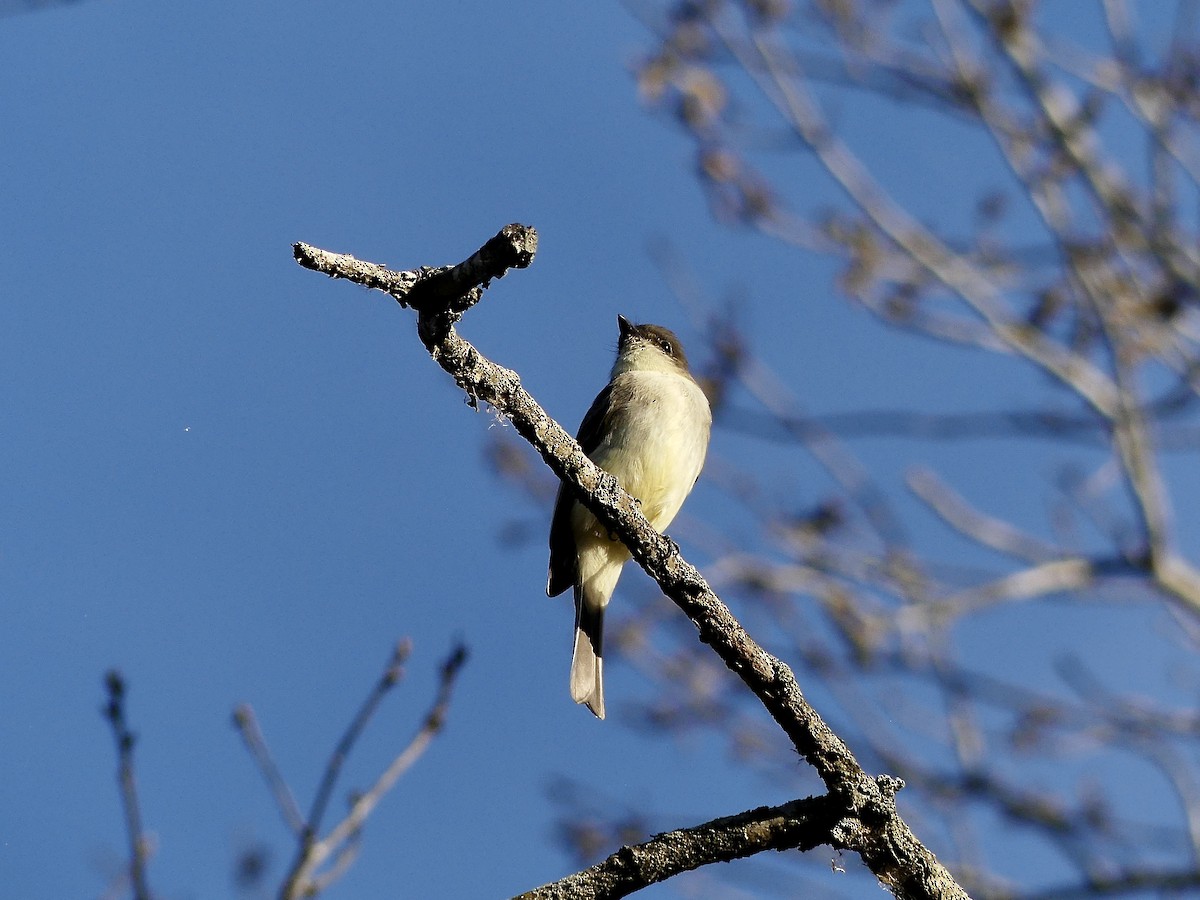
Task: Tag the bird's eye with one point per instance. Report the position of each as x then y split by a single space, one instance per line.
667 348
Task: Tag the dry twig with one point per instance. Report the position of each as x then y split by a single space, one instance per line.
322 860
139 842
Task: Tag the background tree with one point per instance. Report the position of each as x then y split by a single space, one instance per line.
1073 256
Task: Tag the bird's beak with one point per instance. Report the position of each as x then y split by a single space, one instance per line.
625 324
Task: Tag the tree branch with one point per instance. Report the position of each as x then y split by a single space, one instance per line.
139 844
796 825
871 826
388 680
305 879
246 723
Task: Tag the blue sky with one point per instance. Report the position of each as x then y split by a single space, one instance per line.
239 482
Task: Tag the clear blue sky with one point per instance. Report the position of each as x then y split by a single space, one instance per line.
237 481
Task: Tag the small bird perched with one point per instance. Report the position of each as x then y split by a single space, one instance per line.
649 427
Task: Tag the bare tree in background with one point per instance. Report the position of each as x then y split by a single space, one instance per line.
1082 267
322 855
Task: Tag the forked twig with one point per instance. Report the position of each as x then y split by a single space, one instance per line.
342 838
339 847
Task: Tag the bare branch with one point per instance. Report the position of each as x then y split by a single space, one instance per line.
139 843
1100 145
1052 577
341 844
878 834
247 726
932 254
388 680
1132 882
953 509
797 825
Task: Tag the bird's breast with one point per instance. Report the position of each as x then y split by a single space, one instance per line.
657 442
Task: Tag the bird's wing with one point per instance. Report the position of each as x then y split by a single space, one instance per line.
596 424
562 545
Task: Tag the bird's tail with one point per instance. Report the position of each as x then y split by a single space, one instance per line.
587 682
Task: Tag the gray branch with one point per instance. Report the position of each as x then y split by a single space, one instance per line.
797 825
870 824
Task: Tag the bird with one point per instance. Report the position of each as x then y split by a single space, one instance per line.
650 428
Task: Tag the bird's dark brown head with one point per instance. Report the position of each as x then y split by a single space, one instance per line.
637 338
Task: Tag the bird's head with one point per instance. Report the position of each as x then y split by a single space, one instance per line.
648 348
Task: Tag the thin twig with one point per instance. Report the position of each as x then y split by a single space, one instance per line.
388 680
247 726
341 844
954 510
139 844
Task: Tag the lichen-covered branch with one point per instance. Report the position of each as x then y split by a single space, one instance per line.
872 827
798 825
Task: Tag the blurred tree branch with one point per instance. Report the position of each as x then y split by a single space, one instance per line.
16 7
139 841
1083 267
322 860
